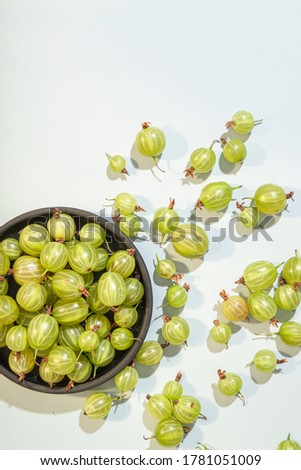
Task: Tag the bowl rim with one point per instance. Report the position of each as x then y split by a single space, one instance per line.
119 236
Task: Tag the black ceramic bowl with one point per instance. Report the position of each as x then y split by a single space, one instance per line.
116 240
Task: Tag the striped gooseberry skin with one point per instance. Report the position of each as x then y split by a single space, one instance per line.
11 248
177 296
262 306
51 296
126 379
82 370
70 312
97 405
290 333
122 262
16 338
4 263
103 355
125 316
92 233
117 163
150 353
190 240
3 286
93 300
21 363
215 196
235 151
249 216
111 289
62 359
54 256
292 269
9 310
169 432
186 409
61 226
42 332
234 307
172 390
69 334
287 297
265 360
260 275
88 279
33 238
270 199
130 225
175 330
31 296
25 317
202 159
165 268
28 268
159 406
150 140
288 444
125 203
48 375
102 259
83 257
98 323
166 219
134 290
242 122
122 338
221 332
230 384
88 341
3 332
68 284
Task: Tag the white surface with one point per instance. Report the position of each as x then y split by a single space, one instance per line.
77 79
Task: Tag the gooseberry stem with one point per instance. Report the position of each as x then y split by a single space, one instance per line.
178 376
241 397
240 206
171 203
156 164
214 142
223 295
189 171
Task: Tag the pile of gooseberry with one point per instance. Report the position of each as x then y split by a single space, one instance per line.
175 412
72 301
268 293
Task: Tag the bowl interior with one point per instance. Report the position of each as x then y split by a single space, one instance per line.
116 241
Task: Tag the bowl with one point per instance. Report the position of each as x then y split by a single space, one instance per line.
116 241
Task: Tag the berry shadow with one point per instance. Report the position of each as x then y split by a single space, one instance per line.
176 146
113 176
258 376
185 265
220 399
197 178
142 163
207 217
90 426
43 403
286 350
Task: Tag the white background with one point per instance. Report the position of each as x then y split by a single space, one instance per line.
77 79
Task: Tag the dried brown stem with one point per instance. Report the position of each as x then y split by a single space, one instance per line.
224 295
